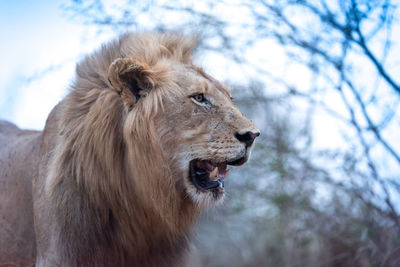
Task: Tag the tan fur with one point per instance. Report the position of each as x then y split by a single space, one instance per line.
112 186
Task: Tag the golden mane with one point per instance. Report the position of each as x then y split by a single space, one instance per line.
102 192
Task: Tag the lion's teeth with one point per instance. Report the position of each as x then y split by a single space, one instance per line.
213 174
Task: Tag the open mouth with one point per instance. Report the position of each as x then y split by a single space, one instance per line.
207 175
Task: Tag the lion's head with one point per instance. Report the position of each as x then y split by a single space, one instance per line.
197 125
143 142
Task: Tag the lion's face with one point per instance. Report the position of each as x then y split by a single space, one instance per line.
202 132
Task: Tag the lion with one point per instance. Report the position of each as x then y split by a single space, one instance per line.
126 162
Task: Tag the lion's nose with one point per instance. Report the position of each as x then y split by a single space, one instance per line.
247 137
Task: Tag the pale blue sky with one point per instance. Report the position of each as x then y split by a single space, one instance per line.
36 36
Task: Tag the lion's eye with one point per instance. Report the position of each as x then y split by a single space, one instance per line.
199 98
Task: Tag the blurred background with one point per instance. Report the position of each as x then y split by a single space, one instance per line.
320 78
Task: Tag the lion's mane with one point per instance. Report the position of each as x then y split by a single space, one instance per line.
111 191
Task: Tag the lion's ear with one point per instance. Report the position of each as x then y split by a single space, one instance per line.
133 79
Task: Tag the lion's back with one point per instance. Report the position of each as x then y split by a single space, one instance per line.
19 151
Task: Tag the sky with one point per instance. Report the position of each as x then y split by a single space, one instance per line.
39 49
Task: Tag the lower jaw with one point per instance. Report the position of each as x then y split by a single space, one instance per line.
206 199
217 193
213 194
208 192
